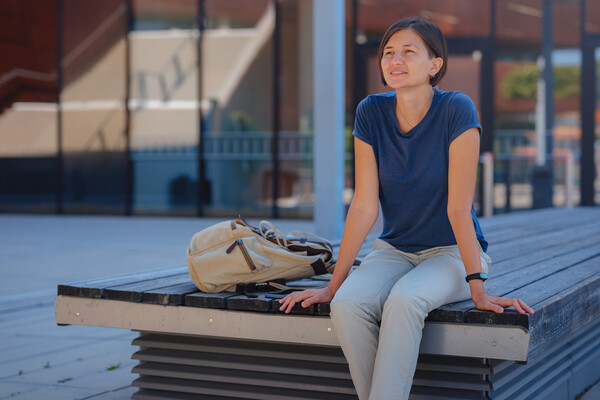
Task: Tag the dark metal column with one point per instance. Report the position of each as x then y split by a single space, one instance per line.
276 110
488 60
588 103
128 160
202 189
59 86
353 77
543 177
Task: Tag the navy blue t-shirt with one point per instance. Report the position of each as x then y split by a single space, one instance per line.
413 167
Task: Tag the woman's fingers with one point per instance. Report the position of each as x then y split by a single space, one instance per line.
291 299
518 305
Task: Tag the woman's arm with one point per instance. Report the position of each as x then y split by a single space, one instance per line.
462 173
362 214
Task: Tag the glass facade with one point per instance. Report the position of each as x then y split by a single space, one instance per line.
164 109
28 106
205 107
94 85
237 98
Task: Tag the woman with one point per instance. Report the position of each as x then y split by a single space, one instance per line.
416 152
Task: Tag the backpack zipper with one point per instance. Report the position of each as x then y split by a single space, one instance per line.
245 253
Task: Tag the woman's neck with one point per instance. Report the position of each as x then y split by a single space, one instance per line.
411 106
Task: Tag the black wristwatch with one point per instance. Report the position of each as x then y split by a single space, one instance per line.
478 275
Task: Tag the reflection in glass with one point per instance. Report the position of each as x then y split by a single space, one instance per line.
463 75
237 104
567 122
453 16
164 107
592 16
295 182
514 136
28 111
93 111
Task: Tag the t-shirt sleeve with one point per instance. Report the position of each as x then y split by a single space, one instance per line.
463 116
361 125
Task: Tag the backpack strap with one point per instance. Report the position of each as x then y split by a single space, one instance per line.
319 267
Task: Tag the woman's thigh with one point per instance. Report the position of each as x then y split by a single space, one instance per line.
439 279
372 281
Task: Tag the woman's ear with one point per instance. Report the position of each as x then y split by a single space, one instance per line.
437 66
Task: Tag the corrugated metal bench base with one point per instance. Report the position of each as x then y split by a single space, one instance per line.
184 367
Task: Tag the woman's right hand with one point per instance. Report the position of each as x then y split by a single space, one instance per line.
307 297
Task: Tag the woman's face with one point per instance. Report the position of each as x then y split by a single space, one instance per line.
406 61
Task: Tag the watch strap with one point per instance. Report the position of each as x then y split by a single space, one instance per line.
478 275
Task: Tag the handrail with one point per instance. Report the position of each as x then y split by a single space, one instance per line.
28 74
98 32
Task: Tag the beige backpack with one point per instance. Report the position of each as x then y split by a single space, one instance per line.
233 252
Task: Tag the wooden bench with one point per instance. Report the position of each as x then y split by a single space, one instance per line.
226 345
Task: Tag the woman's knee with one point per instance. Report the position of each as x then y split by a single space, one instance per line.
344 308
406 302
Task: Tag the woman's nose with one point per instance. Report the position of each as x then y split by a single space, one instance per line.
398 59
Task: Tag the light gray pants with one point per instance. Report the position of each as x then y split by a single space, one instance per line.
379 312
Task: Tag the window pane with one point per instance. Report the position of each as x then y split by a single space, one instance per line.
519 24
514 136
28 112
295 184
453 16
463 74
164 107
237 104
592 16
93 111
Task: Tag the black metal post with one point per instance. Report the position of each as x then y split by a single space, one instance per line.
486 91
59 86
128 160
276 109
588 103
202 189
351 90
543 178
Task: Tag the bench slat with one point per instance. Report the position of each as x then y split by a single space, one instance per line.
244 303
170 295
133 291
523 246
205 388
236 361
95 287
236 377
208 300
527 226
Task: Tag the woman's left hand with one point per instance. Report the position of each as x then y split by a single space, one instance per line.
306 298
484 301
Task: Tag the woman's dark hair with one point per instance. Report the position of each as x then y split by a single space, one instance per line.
432 36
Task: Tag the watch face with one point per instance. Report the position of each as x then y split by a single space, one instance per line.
484 276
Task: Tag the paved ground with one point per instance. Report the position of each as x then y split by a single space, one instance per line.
40 360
